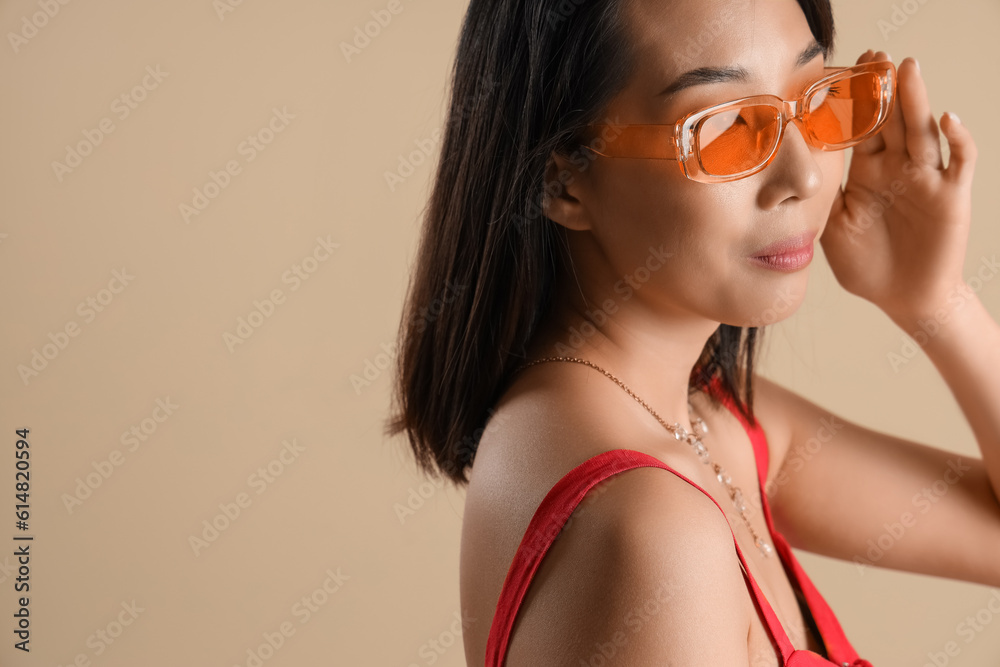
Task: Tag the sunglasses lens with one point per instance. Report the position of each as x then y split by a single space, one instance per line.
736 140
846 109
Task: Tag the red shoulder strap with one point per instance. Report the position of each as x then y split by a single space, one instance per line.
838 646
548 521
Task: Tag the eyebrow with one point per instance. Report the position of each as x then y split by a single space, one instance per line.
739 74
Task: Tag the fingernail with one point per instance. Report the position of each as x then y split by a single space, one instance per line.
954 118
889 58
917 63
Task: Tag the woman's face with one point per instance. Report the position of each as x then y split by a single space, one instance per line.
712 229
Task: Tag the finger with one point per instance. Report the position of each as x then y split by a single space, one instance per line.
893 132
875 143
962 162
923 142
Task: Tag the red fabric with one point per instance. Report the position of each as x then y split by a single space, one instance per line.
563 498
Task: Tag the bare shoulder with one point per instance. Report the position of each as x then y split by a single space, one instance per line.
646 562
672 591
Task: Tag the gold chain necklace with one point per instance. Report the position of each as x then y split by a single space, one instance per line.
680 433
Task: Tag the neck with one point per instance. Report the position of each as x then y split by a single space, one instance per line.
652 350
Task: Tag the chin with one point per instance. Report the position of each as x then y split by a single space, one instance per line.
759 311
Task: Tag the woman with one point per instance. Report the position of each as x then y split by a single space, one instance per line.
573 240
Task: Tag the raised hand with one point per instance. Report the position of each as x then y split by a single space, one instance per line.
898 230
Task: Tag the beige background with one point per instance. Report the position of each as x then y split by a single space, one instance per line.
333 505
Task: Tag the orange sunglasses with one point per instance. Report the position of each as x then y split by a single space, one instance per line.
733 140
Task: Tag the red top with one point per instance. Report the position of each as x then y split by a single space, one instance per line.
557 506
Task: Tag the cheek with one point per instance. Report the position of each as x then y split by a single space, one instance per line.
647 210
644 208
638 204
832 165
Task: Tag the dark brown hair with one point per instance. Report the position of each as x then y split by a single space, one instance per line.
528 76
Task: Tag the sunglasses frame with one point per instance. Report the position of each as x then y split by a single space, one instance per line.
676 141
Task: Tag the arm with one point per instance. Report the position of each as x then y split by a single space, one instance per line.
662 584
963 343
897 237
845 491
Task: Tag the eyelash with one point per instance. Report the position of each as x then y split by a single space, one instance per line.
834 89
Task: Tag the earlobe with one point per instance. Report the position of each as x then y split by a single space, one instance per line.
558 201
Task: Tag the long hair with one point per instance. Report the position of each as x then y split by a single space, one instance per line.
528 76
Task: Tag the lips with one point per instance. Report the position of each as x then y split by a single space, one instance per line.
787 255
787 245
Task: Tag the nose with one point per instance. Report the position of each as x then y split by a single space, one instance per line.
794 171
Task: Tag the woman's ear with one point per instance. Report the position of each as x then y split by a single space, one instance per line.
562 183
